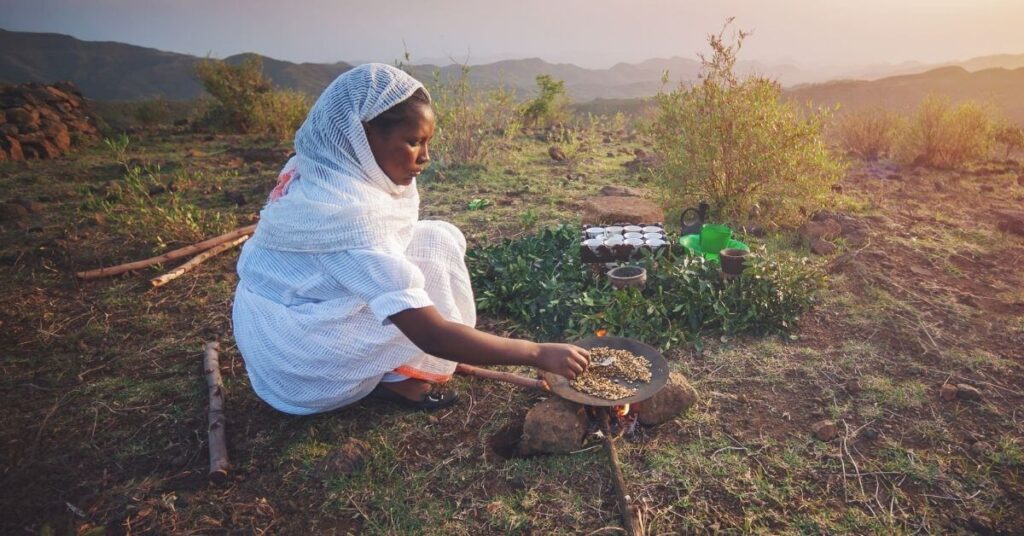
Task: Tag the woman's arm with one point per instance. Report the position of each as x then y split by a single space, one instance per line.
430 332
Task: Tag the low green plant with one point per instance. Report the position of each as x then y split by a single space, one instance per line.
528 218
737 144
944 136
118 147
142 203
540 283
479 204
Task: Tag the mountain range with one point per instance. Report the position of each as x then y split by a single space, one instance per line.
107 70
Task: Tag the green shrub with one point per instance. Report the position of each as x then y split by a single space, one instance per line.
550 105
540 284
944 136
153 112
246 102
471 124
736 144
871 133
1011 137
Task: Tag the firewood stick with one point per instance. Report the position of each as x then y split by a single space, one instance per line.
508 377
196 261
629 523
218 443
169 256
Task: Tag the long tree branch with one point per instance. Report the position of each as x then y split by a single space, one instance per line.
170 256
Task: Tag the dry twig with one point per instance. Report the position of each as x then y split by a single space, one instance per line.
170 256
196 261
218 443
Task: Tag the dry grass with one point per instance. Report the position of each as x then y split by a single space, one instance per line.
104 403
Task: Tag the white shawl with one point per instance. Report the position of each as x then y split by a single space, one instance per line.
338 198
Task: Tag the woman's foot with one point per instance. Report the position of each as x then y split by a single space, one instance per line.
416 394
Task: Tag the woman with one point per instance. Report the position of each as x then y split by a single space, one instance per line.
343 293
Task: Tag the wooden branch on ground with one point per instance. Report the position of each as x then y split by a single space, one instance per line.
507 377
629 521
170 256
218 443
196 261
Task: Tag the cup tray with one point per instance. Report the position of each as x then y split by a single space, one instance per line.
621 252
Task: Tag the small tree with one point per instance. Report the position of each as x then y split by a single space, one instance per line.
549 106
735 143
946 137
469 121
1011 137
871 133
247 102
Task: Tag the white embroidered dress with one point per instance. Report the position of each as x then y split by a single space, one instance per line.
338 250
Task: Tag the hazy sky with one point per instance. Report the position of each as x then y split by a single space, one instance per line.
593 33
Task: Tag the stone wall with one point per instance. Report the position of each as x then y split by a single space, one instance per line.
42 120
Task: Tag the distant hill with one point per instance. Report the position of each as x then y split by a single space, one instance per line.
118 71
1001 88
102 69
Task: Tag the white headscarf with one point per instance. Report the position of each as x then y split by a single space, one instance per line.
338 198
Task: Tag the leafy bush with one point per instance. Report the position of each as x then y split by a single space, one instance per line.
946 137
542 286
470 123
247 102
115 117
871 133
736 144
152 112
550 105
1011 137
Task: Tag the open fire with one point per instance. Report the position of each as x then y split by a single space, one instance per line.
622 411
614 421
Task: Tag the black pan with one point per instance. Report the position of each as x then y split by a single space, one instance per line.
659 374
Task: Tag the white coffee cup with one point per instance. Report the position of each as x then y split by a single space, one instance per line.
653 229
653 236
595 232
593 243
635 242
613 230
632 228
655 242
613 240
633 235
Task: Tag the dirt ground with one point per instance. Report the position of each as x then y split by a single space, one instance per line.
104 427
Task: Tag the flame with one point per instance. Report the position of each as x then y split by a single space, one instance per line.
601 332
622 411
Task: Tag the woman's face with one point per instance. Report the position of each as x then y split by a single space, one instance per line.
402 152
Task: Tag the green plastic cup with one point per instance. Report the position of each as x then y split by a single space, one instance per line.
714 237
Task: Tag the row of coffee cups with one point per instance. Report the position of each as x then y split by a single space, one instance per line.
630 235
612 230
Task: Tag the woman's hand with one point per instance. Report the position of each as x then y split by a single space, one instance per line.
563 359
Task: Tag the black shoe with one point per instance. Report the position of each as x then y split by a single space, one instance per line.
436 398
